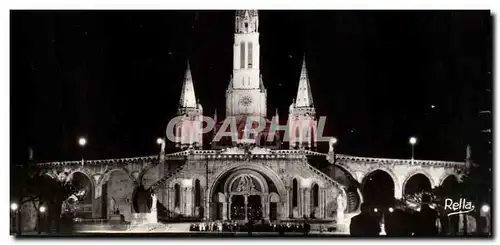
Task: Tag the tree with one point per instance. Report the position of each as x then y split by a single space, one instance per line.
41 187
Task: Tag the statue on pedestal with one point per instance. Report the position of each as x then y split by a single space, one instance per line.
154 200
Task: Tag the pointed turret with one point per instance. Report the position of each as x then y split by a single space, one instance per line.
188 130
188 98
304 95
302 115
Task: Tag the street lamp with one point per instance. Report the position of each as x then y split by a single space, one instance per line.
331 151
16 221
82 142
485 208
40 218
159 141
413 141
485 213
14 206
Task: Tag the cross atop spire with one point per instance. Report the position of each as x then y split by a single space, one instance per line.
304 95
188 98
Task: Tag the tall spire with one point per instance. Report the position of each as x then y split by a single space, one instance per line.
188 98
304 95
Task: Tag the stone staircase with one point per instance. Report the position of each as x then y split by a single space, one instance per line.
166 177
353 201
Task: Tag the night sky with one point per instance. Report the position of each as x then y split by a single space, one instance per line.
116 76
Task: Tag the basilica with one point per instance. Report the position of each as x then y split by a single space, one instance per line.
251 178
245 178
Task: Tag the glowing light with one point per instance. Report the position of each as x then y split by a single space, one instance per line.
391 209
375 210
82 141
334 140
159 141
14 206
42 209
433 106
485 208
413 140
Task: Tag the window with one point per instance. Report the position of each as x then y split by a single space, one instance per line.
315 196
250 56
177 201
197 195
295 192
242 54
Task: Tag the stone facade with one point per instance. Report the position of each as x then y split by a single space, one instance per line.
272 173
241 180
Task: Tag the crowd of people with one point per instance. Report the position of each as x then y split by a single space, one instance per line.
398 222
262 226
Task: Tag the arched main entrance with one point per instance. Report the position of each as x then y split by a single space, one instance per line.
244 194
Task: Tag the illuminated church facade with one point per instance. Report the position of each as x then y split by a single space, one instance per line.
248 178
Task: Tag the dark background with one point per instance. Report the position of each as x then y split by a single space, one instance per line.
115 77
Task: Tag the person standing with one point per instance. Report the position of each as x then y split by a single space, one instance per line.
364 224
426 219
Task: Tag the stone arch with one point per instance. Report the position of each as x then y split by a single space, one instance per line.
446 175
176 181
319 182
201 178
383 197
420 185
350 171
85 201
83 173
234 176
259 168
415 172
448 188
107 174
117 187
393 176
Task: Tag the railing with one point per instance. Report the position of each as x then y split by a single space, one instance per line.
166 177
340 158
352 197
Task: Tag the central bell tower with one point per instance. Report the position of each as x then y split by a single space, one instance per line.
246 95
